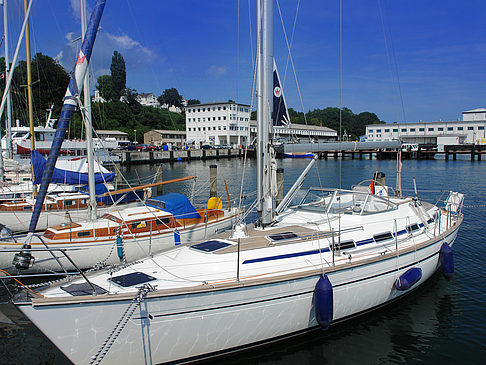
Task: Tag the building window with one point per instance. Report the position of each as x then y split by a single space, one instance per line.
440 129
224 117
460 128
371 131
395 130
481 128
421 129
404 129
204 128
378 131
412 129
224 108
387 131
219 118
219 128
219 108
470 128
450 128
431 129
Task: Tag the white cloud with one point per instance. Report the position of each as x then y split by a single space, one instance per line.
216 70
70 36
127 43
75 6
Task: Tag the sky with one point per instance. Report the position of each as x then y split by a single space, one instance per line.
403 60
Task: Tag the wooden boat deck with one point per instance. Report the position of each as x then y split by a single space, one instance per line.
258 238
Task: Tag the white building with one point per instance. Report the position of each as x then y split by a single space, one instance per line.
470 130
220 123
303 133
148 99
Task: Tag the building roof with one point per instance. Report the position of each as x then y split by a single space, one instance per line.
120 133
478 110
217 103
144 95
167 131
423 123
253 123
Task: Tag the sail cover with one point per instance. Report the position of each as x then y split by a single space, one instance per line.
280 115
176 204
74 172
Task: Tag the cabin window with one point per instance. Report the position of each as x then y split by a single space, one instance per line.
162 221
134 278
27 208
412 228
84 234
68 202
383 237
138 225
344 245
282 236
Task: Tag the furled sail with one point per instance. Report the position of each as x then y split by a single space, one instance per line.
73 91
280 113
74 173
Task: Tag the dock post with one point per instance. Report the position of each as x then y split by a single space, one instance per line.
479 155
160 188
360 155
213 181
203 157
446 151
472 152
419 153
188 154
280 180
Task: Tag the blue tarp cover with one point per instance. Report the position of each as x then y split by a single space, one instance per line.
63 176
176 204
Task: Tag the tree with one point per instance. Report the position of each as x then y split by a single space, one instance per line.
104 84
170 97
193 102
118 75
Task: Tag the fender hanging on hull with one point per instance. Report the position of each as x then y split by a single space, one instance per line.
446 261
408 279
323 302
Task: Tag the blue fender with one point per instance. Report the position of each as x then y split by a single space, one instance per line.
446 261
408 278
323 302
119 248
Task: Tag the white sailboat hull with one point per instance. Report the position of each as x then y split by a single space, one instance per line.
189 326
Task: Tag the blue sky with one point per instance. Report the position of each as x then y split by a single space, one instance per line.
437 50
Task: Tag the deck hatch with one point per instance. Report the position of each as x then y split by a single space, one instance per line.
131 279
77 290
210 246
282 236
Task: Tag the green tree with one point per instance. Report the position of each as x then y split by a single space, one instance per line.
118 75
193 102
104 85
170 97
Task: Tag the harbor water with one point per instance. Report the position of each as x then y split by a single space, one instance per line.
442 322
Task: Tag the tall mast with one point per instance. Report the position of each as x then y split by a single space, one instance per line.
8 126
266 102
89 135
260 147
29 88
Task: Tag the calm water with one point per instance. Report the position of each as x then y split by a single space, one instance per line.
440 323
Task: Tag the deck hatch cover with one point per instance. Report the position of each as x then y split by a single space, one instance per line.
210 246
83 289
134 278
282 236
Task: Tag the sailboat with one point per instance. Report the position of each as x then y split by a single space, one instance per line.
320 257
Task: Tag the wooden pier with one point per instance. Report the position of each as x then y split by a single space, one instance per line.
143 157
472 150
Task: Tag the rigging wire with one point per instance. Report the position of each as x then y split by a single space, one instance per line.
290 53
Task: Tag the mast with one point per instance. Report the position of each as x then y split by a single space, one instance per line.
89 135
266 105
70 102
8 126
260 148
29 88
